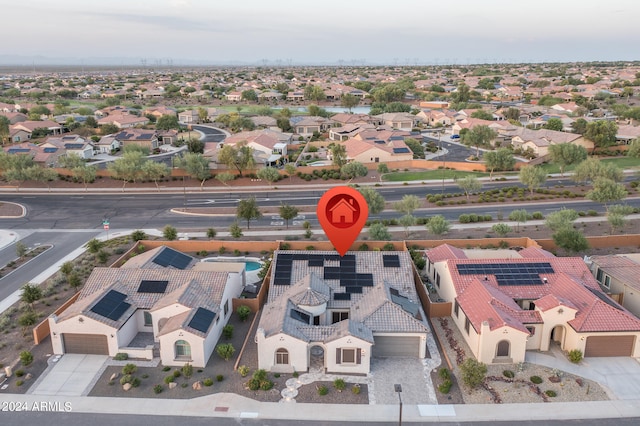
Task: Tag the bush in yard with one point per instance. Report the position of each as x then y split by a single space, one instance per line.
135 382
129 369
121 356
219 377
508 374
227 331
157 389
187 370
207 382
225 351
169 379
26 358
473 372
355 389
243 370
551 393
166 368
138 235
177 373
575 356
323 390
339 384
445 387
19 382
243 312
444 374
536 379
127 378
19 373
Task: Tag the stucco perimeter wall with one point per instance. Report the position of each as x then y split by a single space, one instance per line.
473 243
213 245
623 240
41 331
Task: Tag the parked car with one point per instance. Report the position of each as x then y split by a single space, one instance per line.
455 136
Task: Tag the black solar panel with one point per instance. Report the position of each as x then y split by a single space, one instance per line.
112 305
390 260
600 295
150 286
331 273
353 289
170 257
202 319
341 296
300 316
316 262
509 273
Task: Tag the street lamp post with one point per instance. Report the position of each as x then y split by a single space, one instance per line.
398 389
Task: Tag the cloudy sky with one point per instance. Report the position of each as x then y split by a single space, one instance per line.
321 31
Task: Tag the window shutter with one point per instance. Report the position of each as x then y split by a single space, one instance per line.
338 353
358 356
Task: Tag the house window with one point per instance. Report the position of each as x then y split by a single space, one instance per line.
339 316
531 330
148 322
607 281
226 307
437 280
348 356
599 275
456 309
183 349
467 324
282 356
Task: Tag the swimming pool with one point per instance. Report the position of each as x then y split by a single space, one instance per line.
251 263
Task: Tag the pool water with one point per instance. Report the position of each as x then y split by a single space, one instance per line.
252 266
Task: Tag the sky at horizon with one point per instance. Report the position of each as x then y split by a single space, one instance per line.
332 31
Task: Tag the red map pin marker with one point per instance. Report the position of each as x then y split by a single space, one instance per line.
342 211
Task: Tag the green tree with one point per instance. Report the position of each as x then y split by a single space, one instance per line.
407 205
270 174
519 216
634 148
41 174
196 165
94 245
501 229
138 235
248 209
85 174
249 95
195 145
339 154
482 115
4 129
616 216
375 200
561 219
532 177
415 146
211 233
235 230
314 93
66 268
469 184
288 212
167 122
579 126
21 249
407 221
155 171
170 233
379 232
290 169
602 133
553 124
349 101
127 168
353 170
203 115
479 136
239 157
15 168
499 160
225 351
592 168
566 154
606 191
438 225
462 94
30 294
571 240
225 177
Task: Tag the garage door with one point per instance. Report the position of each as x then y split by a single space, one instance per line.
95 344
396 346
609 346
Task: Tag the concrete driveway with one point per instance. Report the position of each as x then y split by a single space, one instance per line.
71 375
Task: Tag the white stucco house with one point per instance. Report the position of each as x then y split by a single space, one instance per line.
165 310
507 302
334 313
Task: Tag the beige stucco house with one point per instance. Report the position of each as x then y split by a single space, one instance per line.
156 306
335 313
507 303
618 276
540 140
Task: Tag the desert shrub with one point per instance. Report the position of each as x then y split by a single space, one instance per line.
445 387
243 312
266 385
19 373
227 331
157 389
129 369
127 378
551 393
575 356
444 374
339 384
536 379
187 370
225 351
135 382
166 368
219 377
26 358
169 379
120 356
19 382
473 372
207 382
243 370
355 389
537 215
508 373
145 376
323 390
177 373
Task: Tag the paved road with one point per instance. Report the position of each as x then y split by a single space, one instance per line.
210 134
63 242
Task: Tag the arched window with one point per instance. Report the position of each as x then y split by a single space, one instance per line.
503 348
183 349
148 320
282 356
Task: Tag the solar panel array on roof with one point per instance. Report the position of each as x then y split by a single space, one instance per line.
509 273
112 305
341 296
202 319
379 142
170 257
150 286
401 150
300 316
600 295
390 260
50 150
285 262
73 145
18 150
396 138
